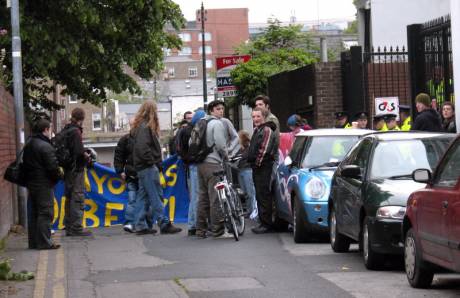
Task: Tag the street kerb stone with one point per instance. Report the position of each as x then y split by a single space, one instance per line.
220 284
382 285
144 289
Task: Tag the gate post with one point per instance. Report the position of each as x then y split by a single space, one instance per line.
353 95
416 58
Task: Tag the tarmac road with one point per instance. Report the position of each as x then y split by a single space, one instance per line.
114 263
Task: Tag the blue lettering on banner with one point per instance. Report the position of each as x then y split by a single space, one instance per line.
106 195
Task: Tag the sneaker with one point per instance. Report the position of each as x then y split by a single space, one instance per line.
191 232
128 228
201 234
254 214
170 229
224 235
146 232
82 233
53 232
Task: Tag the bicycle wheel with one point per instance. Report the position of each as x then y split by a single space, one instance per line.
238 212
231 220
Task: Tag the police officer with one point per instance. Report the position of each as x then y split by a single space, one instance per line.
361 119
405 118
379 123
390 121
341 120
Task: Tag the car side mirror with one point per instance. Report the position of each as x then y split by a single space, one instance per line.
351 171
421 175
288 161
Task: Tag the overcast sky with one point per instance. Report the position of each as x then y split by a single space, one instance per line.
261 10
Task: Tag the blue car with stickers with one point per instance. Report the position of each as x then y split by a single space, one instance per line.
304 178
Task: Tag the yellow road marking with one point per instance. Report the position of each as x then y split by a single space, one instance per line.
59 274
40 278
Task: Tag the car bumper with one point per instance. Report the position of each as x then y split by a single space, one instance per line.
385 236
316 215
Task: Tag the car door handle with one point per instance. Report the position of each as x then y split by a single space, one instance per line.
445 204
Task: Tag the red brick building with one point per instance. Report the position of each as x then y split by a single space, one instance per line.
224 30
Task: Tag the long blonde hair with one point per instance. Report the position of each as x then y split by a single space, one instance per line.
147 113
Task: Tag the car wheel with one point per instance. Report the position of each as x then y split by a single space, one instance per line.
300 227
418 272
372 259
339 242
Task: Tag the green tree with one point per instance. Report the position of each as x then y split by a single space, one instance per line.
84 45
278 49
352 27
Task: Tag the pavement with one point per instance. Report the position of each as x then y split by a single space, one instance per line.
113 263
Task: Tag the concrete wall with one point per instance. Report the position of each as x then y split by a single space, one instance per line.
7 155
390 18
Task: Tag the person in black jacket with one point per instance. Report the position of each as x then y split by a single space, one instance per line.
448 116
74 179
427 119
147 163
262 153
42 173
123 163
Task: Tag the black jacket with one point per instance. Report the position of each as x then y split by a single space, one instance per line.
40 162
448 125
123 158
75 142
428 120
147 149
263 148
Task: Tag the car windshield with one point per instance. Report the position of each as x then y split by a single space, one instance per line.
320 150
399 158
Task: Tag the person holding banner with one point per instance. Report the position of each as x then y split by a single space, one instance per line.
147 163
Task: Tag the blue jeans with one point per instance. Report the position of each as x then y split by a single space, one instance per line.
247 185
193 195
150 198
130 214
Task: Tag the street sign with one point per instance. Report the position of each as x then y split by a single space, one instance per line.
387 105
224 83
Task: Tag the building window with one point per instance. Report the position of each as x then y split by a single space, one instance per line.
73 98
97 122
208 50
185 51
185 37
171 72
208 63
207 36
193 72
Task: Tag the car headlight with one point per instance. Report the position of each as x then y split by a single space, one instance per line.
315 188
391 212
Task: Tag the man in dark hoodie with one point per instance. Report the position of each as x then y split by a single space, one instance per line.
427 119
74 179
262 154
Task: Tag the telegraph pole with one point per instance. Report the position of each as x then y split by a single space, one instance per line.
18 101
203 55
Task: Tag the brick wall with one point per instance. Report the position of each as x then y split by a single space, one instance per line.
328 97
7 155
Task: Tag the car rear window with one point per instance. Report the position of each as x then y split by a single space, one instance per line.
402 157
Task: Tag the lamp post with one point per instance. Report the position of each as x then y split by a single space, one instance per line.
202 18
18 101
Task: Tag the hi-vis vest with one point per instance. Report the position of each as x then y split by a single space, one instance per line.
407 124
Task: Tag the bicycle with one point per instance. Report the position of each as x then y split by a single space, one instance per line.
230 200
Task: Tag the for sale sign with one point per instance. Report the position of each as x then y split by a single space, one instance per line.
224 65
387 105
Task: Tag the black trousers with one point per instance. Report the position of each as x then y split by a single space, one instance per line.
262 180
41 212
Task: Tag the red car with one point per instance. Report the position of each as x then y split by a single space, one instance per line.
431 227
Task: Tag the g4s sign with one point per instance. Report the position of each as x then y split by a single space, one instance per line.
386 105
